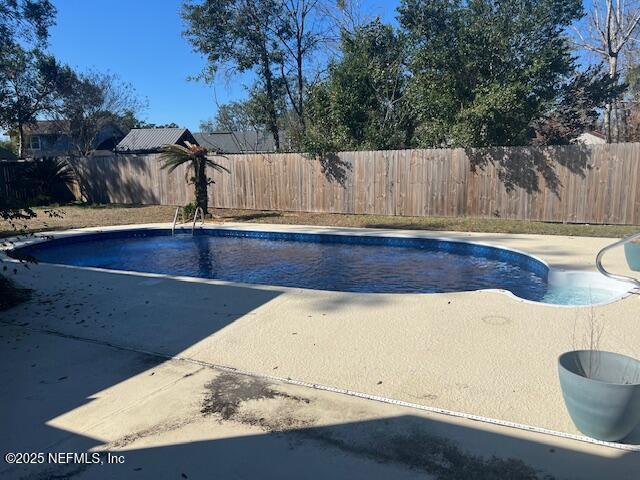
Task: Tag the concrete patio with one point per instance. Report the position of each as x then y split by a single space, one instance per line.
126 361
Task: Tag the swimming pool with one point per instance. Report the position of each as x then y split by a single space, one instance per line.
336 262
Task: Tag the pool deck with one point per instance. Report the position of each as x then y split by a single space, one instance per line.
482 353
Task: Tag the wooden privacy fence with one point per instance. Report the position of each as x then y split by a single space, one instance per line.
12 190
583 184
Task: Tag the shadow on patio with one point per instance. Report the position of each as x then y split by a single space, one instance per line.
66 389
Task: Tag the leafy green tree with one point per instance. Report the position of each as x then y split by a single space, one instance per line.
362 104
25 22
197 161
239 34
32 84
482 71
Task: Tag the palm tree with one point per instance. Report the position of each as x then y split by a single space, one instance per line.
49 179
195 157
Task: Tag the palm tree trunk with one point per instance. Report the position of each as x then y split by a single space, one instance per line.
201 182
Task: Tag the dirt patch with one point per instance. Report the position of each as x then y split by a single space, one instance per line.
226 394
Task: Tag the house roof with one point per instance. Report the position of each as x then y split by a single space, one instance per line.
591 138
597 134
153 139
47 127
236 142
57 127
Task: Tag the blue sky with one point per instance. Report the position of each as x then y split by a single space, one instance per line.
141 41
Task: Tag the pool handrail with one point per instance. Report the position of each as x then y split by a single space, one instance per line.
195 218
175 219
602 270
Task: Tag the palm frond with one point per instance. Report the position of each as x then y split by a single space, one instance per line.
174 155
49 171
216 166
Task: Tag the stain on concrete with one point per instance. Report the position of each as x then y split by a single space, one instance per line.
160 428
226 394
421 451
399 441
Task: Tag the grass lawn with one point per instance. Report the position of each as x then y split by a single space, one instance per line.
76 216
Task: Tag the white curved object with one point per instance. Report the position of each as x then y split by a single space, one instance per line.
602 270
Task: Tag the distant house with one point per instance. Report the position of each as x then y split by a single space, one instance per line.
591 138
237 142
50 138
151 140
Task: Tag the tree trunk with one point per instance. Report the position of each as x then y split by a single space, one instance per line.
623 131
608 124
201 183
20 140
271 107
300 59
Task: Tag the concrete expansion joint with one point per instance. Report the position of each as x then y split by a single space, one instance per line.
341 391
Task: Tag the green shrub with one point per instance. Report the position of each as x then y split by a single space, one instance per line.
49 180
189 210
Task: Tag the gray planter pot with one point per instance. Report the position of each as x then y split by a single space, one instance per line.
602 392
632 254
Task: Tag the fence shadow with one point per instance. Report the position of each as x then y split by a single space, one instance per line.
523 167
414 182
101 182
334 168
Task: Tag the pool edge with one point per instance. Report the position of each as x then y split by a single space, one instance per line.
16 243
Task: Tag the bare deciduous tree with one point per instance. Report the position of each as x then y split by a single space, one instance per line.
300 34
611 26
94 101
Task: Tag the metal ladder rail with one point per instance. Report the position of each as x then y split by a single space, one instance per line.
195 218
175 219
602 270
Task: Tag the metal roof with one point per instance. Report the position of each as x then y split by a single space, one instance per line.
236 142
152 139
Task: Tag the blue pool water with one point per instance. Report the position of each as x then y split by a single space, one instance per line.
324 262
577 295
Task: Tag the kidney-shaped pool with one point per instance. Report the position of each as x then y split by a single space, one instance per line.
348 263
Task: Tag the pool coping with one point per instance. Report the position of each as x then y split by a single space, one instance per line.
43 237
554 275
